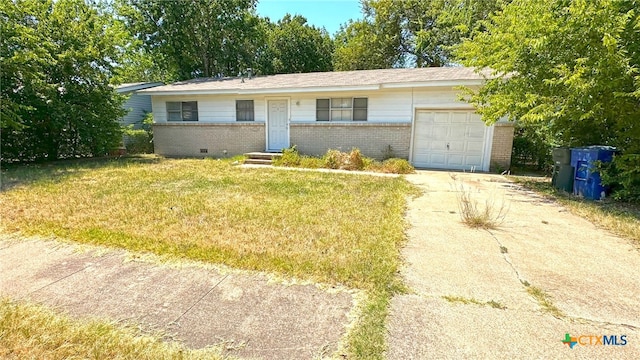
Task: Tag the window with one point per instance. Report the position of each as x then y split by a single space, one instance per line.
182 111
244 110
341 109
322 109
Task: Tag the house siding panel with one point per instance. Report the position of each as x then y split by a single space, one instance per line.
211 109
383 106
137 106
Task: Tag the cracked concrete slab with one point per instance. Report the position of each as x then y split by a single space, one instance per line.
590 275
249 313
442 330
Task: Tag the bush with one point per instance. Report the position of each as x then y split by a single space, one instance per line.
310 162
354 160
137 141
396 166
290 157
623 176
333 159
336 159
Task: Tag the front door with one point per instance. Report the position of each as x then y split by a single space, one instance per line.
278 125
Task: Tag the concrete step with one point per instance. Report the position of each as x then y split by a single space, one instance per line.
257 161
262 155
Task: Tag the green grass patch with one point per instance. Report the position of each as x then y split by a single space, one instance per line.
29 331
468 301
544 300
620 218
326 227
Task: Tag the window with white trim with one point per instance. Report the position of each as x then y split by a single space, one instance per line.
182 111
341 109
245 110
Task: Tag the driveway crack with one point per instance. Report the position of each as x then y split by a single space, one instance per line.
199 300
505 256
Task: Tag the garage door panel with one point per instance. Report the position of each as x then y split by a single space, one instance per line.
456 146
474 146
448 139
440 132
475 132
441 118
458 132
438 145
438 159
459 117
455 160
473 160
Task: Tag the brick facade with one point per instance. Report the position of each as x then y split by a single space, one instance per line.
502 146
373 139
184 139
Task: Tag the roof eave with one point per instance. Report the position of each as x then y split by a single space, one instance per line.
138 87
434 83
261 91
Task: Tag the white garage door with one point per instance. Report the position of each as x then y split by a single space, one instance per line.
448 139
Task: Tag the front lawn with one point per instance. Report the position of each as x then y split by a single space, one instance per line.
30 331
333 228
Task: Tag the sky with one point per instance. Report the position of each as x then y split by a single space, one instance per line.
320 13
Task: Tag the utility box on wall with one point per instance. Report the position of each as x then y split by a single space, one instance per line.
586 180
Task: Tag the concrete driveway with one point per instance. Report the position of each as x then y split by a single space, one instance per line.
514 292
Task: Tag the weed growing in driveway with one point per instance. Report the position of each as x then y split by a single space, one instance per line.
544 300
35 332
489 215
463 300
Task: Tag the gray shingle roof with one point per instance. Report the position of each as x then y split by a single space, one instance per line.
319 80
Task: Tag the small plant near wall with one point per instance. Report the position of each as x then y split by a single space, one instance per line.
139 141
336 159
290 157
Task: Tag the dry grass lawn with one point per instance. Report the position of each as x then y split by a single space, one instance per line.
30 331
333 228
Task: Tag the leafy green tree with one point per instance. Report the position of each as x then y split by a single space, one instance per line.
571 66
57 59
293 46
409 32
195 38
360 46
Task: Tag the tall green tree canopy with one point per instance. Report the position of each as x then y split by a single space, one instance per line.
196 38
573 66
57 58
409 32
293 46
359 45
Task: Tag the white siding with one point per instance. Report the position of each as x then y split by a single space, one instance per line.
384 106
211 109
137 106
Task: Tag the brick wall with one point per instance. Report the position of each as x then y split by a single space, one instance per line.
502 146
182 139
373 139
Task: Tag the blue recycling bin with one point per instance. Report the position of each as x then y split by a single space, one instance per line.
586 181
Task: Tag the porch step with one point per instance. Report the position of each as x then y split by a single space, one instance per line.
260 158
